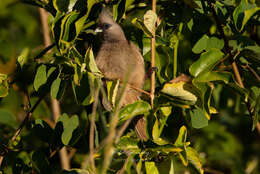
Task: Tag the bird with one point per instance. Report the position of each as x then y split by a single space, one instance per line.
119 59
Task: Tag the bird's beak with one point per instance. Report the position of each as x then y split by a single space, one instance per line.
98 30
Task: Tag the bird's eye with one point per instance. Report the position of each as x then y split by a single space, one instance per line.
106 26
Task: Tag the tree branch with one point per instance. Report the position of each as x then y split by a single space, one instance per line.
65 162
152 83
228 49
18 131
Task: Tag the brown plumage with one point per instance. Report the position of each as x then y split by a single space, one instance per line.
120 59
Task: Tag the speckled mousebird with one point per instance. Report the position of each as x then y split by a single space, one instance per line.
119 59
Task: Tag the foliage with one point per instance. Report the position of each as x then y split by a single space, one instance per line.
200 121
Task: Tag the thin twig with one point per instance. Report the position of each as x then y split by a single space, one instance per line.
212 171
108 150
122 170
139 89
25 121
252 71
122 129
152 83
92 130
175 53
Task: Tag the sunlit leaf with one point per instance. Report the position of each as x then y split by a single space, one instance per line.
150 18
129 143
132 110
243 13
214 76
194 159
172 167
181 139
156 134
112 89
22 59
166 149
91 63
151 168
4 86
64 6
201 44
139 24
181 90
206 62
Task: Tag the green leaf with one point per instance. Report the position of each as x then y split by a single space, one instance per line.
68 28
4 86
8 119
134 109
244 93
112 89
200 44
160 122
91 63
172 168
42 130
256 113
82 92
55 88
50 71
128 143
90 4
22 59
156 134
206 90
214 76
64 6
77 76
40 77
243 13
191 3
193 158
214 42
206 62
207 43
198 118
151 168
69 126
40 162
150 19
139 24
181 90
181 139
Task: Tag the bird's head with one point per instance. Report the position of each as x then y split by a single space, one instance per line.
110 30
